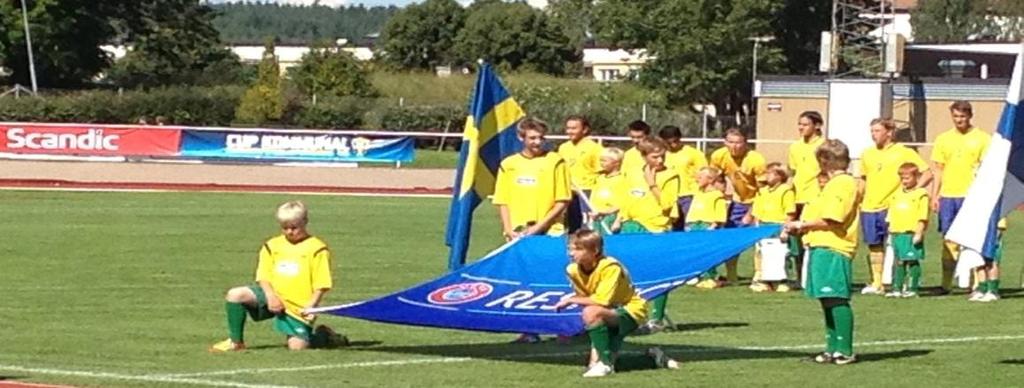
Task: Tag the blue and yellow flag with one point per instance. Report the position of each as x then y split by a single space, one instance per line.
489 136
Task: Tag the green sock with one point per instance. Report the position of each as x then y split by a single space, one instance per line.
236 320
614 340
600 339
915 276
843 315
830 330
993 286
899 272
658 307
983 286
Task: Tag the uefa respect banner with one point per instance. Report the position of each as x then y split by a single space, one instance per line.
301 146
515 288
89 140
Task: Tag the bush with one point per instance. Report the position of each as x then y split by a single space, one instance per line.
181 105
338 112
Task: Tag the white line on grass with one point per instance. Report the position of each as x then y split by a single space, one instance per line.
441 360
222 191
130 377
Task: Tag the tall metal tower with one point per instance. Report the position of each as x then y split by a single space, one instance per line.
859 37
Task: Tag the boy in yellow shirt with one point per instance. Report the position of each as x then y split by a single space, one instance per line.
292 275
612 308
908 219
633 161
582 157
775 204
955 159
709 211
650 207
609 189
832 237
532 187
686 160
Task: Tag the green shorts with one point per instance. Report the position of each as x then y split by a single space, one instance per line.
626 326
829 274
631 227
904 249
283 323
697 226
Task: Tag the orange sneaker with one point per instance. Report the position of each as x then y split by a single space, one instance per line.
226 346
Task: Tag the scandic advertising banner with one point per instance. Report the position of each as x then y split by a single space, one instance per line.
89 140
304 146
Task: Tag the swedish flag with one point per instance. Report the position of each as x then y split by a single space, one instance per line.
489 136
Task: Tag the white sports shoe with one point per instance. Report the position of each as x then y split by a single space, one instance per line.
988 297
870 290
599 369
976 296
661 359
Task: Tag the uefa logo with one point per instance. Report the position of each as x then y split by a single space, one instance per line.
460 293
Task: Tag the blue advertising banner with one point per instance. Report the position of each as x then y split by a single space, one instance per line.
294 146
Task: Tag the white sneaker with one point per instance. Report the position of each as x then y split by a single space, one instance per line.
988 297
893 294
693 282
871 290
599 369
976 296
908 294
661 359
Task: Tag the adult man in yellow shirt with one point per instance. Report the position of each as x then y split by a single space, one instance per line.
632 161
879 173
687 161
801 158
745 169
955 158
582 155
532 188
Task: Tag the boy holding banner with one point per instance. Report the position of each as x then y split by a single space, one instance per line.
774 205
612 309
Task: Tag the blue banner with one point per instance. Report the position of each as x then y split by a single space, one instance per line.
514 288
294 146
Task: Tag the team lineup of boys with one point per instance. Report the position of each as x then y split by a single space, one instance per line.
661 185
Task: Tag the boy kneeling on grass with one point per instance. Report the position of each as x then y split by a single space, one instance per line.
612 309
293 274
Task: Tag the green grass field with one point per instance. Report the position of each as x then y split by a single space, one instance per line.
124 290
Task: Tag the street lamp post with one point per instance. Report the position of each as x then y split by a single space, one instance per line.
28 44
753 68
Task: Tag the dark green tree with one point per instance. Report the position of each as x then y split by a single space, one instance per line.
423 35
797 28
701 47
516 36
66 37
941 21
173 42
326 70
250 22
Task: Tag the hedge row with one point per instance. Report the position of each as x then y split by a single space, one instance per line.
215 106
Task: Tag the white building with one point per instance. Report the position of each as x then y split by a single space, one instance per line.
611 65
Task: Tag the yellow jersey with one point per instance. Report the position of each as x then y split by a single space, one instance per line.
881 171
608 285
295 271
608 193
584 161
804 164
708 206
960 155
774 204
632 162
530 188
641 206
687 161
837 202
746 174
906 209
